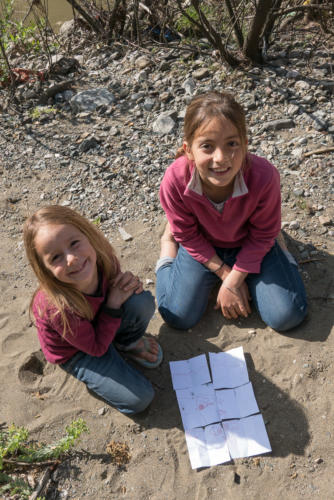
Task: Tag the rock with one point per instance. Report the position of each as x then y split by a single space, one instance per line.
293 74
143 62
201 73
303 86
67 26
294 225
325 220
149 104
89 100
164 124
61 65
278 124
292 109
102 411
125 236
189 86
88 144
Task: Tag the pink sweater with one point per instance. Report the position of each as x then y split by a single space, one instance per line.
251 217
92 337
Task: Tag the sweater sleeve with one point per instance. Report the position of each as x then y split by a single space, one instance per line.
263 227
91 337
183 223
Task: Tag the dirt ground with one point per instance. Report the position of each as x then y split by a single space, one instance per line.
292 375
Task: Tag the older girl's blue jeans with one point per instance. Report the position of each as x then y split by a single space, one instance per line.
110 376
184 285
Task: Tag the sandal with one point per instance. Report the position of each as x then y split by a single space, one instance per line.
146 348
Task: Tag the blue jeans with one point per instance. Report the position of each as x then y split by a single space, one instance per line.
110 376
183 287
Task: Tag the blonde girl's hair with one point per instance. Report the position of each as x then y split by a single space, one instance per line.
63 296
205 107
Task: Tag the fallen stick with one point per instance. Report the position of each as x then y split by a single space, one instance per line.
30 464
306 261
319 151
41 484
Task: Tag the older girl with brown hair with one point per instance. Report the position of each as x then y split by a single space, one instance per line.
223 207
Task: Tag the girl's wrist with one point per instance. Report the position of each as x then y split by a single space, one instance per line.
235 279
233 290
114 304
219 268
222 271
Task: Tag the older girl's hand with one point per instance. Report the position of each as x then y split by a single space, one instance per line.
233 302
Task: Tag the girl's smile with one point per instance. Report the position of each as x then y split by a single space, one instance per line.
67 253
218 154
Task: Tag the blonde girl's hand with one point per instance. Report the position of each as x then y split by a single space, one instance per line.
233 302
127 281
121 288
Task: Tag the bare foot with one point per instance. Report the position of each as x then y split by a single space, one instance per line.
169 247
147 352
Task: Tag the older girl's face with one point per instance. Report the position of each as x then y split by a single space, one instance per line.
68 254
218 154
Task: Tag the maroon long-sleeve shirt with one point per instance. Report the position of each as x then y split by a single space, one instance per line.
250 219
92 337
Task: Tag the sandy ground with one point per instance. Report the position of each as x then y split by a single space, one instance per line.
292 377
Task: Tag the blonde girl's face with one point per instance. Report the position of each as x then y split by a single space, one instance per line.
218 154
67 253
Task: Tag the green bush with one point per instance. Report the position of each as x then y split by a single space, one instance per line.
15 446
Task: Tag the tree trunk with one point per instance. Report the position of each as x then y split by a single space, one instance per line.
236 27
96 25
210 33
252 43
271 20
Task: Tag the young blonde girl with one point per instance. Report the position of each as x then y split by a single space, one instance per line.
87 310
224 211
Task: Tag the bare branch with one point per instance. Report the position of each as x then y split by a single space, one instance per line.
96 25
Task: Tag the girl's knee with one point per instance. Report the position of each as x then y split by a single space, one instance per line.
140 305
138 403
178 321
283 321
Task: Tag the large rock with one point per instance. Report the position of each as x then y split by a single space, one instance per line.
164 124
278 124
89 100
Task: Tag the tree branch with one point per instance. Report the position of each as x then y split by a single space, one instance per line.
96 25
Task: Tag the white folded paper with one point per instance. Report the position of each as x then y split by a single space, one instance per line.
189 373
207 446
228 369
221 419
198 406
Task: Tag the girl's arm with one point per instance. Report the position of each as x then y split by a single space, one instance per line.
264 224
183 223
233 296
92 337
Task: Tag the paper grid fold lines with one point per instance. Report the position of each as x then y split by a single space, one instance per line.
198 406
189 373
236 403
228 369
218 443
207 446
246 437
221 419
